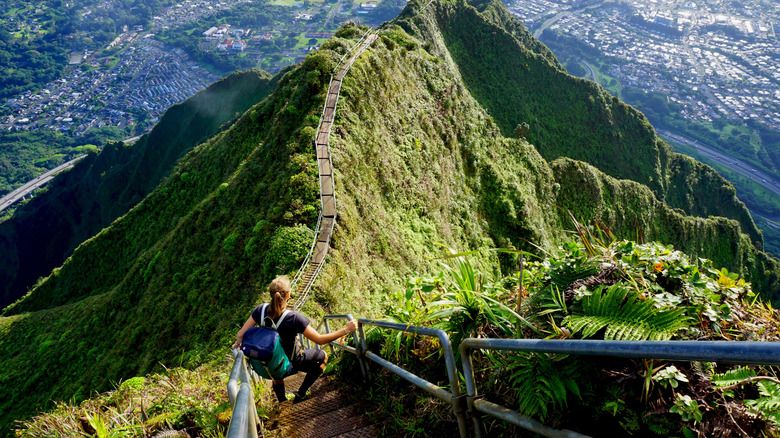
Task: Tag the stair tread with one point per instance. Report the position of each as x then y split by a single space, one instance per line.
371 430
333 423
314 406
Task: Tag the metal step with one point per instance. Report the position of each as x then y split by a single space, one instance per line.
370 431
331 424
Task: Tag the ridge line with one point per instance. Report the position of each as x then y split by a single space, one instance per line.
312 264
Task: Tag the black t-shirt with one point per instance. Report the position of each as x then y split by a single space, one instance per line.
294 323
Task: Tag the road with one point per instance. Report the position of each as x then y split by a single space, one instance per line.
33 184
591 70
745 169
132 140
550 21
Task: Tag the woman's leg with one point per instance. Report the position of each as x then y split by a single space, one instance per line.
278 387
313 364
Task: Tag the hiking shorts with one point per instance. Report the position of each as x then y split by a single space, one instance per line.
308 361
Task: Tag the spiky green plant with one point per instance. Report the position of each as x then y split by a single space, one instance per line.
468 305
105 429
625 316
408 307
769 402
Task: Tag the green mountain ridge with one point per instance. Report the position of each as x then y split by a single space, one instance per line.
423 152
78 204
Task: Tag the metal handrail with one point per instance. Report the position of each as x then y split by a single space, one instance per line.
764 353
244 421
453 396
356 350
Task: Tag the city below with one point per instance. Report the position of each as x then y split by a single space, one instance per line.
133 80
713 60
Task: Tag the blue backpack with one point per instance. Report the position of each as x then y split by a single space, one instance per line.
262 346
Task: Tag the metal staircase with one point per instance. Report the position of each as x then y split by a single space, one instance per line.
311 266
329 412
313 417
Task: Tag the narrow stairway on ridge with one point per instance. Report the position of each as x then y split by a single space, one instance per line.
328 412
307 274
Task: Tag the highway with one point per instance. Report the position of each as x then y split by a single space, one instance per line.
745 169
132 139
550 21
33 184
591 70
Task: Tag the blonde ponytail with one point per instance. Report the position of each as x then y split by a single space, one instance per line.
279 290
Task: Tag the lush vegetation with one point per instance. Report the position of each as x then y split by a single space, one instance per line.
579 120
418 160
174 403
80 203
246 182
600 288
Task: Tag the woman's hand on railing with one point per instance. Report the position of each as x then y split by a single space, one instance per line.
351 326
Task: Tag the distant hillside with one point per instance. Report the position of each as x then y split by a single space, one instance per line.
79 203
573 117
420 158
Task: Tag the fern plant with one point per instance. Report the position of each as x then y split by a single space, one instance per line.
625 316
732 377
768 405
541 383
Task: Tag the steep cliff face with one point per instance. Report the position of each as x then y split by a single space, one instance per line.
420 160
569 116
79 203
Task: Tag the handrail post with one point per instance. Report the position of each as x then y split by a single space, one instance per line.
232 385
361 357
363 346
453 395
252 412
356 350
471 388
244 421
327 330
452 373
